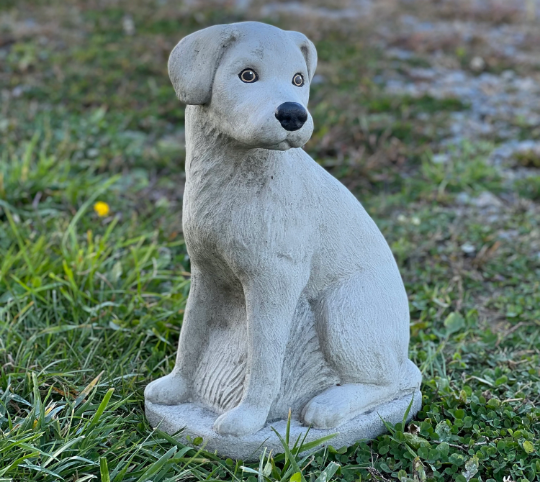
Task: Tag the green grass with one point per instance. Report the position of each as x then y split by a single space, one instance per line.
91 307
529 187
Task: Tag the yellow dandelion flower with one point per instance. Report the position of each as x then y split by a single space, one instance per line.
102 209
48 410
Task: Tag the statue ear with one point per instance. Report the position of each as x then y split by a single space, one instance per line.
308 50
194 61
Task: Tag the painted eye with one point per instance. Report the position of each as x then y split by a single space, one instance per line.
248 76
298 80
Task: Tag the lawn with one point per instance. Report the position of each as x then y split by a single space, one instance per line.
91 303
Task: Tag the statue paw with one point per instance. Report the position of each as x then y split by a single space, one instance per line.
339 404
322 414
241 420
171 389
335 406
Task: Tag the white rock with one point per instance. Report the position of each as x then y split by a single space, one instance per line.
487 200
468 248
477 64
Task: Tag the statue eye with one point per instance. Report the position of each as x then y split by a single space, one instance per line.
248 76
298 80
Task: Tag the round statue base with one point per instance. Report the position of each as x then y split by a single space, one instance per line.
193 420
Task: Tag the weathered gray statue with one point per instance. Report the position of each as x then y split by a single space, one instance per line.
296 301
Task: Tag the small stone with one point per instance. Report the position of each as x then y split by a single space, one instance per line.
508 75
441 158
477 64
18 90
422 74
128 25
463 198
487 200
508 235
468 248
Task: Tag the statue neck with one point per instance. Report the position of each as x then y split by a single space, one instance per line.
209 149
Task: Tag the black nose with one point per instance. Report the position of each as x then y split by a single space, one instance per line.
292 116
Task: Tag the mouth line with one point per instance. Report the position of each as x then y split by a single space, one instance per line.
270 146
278 144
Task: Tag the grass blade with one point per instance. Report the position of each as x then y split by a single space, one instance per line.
104 470
328 472
157 466
102 407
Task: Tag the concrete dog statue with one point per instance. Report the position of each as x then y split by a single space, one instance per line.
296 300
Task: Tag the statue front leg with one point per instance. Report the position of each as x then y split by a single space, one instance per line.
271 302
176 387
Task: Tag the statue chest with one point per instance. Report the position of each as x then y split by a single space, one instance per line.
244 224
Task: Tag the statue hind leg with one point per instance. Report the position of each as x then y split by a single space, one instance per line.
363 326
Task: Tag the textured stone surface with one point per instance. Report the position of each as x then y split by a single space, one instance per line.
296 301
198 422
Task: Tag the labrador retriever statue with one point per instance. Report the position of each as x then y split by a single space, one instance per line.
296 300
